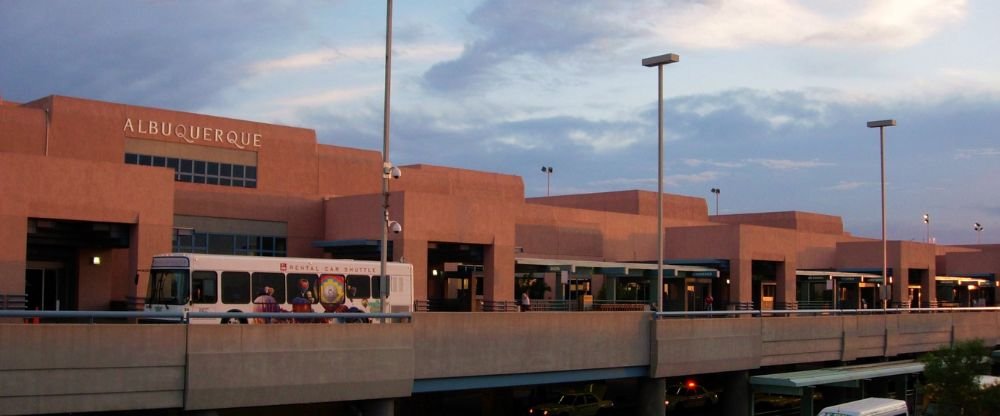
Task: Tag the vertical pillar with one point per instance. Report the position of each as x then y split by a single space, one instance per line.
737 400
652 393
900 287
378 407
415 253
740 283
498 271
13 253
147 240
786 281
807 408
928 289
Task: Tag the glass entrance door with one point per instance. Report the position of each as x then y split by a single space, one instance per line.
46 286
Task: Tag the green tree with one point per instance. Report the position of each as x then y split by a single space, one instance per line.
950 373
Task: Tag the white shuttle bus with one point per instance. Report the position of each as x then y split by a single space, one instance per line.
872 406
184 282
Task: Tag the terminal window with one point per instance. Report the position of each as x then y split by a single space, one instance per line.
237 244
200 171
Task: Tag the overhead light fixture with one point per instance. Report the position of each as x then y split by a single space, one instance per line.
96 260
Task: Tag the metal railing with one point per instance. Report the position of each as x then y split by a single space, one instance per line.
815 304
550 305
181 317
501 306
14 302
621 305
30 316
817 312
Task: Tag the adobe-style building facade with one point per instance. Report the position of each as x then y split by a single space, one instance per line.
92 190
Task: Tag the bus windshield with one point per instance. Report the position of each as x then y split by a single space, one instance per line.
167 287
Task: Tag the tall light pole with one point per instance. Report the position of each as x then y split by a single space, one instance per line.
977 227
927 222
547 170
388 171
659 62
882 124
716 191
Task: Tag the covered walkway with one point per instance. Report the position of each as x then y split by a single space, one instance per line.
804 383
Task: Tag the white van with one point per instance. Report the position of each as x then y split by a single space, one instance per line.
872 406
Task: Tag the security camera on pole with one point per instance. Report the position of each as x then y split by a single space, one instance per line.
388 170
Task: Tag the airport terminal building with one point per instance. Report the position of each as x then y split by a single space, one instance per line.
92 190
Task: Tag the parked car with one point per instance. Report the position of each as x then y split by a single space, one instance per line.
767 402
689 395
572 404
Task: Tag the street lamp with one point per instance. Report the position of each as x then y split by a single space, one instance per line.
882 124
977 227
716 191
659 62
927 221
547 170
388 170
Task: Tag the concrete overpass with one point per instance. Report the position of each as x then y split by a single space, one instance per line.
55 368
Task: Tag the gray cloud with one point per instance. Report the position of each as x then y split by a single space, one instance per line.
169 54
542 31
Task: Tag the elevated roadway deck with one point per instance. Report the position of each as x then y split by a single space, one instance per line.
54 368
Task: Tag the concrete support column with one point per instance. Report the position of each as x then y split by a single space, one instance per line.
808 407
415 253
928 289
13 253
498 267
786 281
147 240
900 287
378 407
652 393
738 397
740 283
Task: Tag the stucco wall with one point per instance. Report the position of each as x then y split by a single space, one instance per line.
632 202
22 130
65 189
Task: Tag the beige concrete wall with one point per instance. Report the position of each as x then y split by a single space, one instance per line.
53 368
470 344
266 365
88 368
695 346
799 339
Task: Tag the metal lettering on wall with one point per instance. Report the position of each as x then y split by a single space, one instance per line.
193 134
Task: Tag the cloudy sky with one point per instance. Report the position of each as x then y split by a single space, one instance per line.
768 103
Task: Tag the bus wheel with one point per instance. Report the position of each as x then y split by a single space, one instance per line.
234 320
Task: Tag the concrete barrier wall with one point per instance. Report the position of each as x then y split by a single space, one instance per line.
474 344
266 365
919 332
864 336
798 339
981 325
694 346
58 368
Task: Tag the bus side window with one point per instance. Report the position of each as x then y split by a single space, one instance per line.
275 281
358 287
376 282
235 287
302 290
204 287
